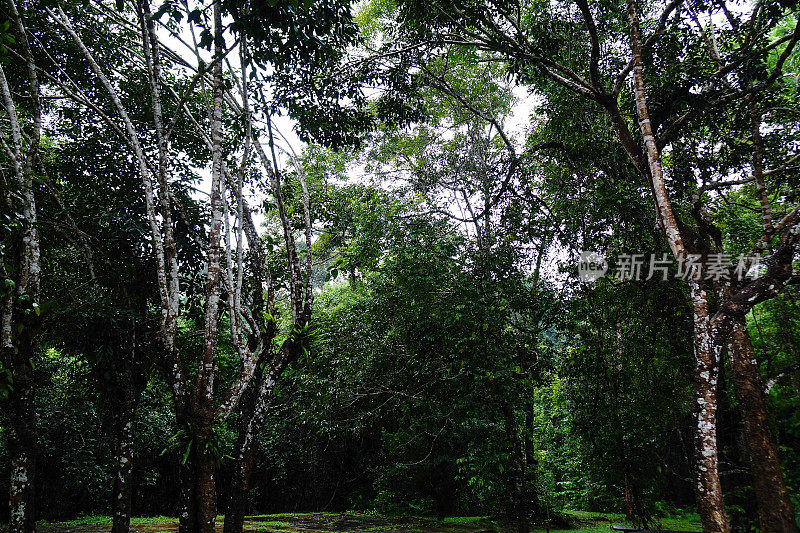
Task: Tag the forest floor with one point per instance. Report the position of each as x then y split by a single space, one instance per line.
580 522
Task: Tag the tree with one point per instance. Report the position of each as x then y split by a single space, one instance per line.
461 159
101 277
251 323
196 412
21 268
522 38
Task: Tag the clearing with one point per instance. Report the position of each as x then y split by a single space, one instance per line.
581 521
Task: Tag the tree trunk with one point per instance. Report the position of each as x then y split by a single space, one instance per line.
205 492
253 414
531 465
630 505
254 410
18 359
518 492
187 515
202 405
239 486
775 510
123 480
198 505
22 449
245 449
708 489
22 441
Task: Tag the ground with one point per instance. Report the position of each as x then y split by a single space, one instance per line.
581 522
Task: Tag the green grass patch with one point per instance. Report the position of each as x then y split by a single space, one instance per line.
102 520
145 520
580 522
466 520
89 520
301 515
591 522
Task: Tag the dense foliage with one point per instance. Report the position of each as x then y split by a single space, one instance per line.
382 311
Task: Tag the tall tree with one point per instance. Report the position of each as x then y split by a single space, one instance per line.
522 37
199 406
20 265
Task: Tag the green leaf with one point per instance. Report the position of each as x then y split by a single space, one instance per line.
186 453
194 16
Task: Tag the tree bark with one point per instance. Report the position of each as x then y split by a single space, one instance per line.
123 479
245 448
708 489
254 409
22 449
240 485
253 413
775 509
198 492
187 514
202 413
18 303
630 505
758 167
205 491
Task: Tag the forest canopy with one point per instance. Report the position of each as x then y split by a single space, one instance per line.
399 265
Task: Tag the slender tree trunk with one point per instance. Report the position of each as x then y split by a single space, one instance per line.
254 411
202 402
708 489
18 354
123 480
630 505
775 510
198 492
205 490
187 513
245 448
758 166
240 485
22 449
531 465
518 496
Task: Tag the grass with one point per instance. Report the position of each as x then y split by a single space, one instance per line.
464 519
301 515
580 522
99 520
591 522
146 520
271 525
91 520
